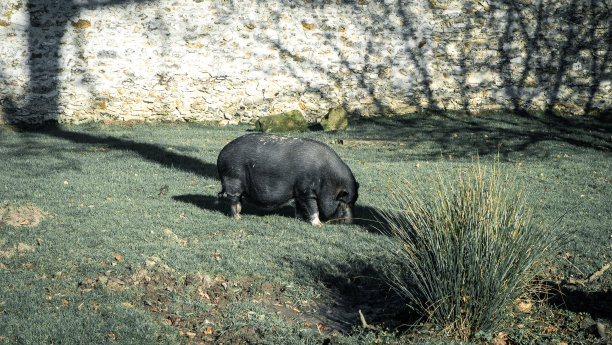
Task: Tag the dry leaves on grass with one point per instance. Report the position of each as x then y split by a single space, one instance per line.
172 235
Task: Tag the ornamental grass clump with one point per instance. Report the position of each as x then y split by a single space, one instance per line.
470 247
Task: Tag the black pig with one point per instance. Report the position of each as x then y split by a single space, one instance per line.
271 170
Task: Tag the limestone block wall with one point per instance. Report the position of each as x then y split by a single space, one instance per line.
237 60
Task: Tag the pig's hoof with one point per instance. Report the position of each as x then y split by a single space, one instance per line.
237 217
315 221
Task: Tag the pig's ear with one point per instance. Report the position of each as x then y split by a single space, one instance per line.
342 195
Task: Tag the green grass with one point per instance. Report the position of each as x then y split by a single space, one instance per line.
111 215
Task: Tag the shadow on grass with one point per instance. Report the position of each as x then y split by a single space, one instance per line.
214 204
353 289
597 303
365 216
149 151
503 132
368 218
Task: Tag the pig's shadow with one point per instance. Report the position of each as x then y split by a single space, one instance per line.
212 203
365 216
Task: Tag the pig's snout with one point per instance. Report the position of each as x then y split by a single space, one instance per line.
344 214
348 216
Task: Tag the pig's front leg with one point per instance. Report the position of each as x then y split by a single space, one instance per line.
308 207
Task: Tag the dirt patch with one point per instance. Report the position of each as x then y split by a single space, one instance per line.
18 216
202 309
198 305
165 291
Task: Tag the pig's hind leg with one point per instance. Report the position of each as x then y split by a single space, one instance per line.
235 207
234 193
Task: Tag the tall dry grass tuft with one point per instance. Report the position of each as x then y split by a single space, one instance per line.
470 247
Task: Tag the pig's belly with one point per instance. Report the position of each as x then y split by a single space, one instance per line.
269 190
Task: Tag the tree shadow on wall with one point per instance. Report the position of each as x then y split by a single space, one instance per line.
365 88
527 59
48 24
583 36
583 32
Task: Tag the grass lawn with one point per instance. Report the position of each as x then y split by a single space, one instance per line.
113 234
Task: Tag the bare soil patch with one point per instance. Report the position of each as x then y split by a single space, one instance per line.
18 216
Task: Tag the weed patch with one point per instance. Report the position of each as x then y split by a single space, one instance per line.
469 248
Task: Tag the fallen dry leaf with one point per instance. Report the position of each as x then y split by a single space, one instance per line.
6 253
525 307
216 256
169 232
118 258
500 339
550 330
22 247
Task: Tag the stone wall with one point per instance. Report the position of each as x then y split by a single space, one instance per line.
236 60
